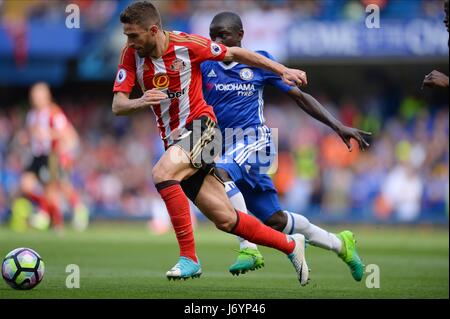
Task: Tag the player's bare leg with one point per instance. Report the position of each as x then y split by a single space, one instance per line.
28 185
171 168
31 188
213 202
21 207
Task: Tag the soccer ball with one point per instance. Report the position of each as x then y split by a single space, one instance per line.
23 268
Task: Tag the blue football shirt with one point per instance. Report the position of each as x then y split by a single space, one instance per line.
235 91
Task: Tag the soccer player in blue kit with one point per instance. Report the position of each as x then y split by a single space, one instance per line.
236 93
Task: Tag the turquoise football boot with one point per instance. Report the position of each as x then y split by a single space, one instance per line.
185 268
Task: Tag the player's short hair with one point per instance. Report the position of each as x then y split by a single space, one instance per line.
142 13
231 18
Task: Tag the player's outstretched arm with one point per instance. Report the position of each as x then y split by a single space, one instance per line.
123 105
435 78
311 106
291 77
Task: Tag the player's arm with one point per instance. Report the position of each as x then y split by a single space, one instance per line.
123 86
74 136
290 76
435 78
123 105
311 106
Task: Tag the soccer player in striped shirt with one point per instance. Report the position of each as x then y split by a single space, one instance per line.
53 144
166 65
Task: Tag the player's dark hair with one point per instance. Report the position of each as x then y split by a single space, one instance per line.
229 18
142 13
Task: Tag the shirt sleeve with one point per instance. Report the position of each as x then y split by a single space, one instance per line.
272 78
126 74
59 121
203 49
203 69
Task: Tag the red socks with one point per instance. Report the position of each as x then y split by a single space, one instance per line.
178 207
56 215
39 200
250 228
247 226
50 208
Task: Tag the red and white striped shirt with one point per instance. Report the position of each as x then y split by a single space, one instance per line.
45 127
177 73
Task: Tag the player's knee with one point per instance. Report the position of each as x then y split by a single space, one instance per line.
277 221
157 174
27 183
225 226
161 173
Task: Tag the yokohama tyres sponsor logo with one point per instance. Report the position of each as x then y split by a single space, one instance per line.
235 87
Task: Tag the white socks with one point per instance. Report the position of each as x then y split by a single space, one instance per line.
295 224
315 235
238 202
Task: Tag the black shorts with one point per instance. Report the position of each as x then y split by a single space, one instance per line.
202 142
39 166
192 185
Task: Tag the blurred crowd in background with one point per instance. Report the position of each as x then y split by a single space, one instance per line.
180 12
37 43
403 177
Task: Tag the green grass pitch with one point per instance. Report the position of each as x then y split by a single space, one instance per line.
120 260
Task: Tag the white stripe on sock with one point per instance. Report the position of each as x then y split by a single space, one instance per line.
315 235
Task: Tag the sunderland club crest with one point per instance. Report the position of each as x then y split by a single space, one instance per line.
178 65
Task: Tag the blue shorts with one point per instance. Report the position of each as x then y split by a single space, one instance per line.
247 163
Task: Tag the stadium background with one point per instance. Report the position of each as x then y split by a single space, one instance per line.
369 78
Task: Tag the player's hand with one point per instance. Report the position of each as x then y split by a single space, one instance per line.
347 133
435 78
153 97
294 77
